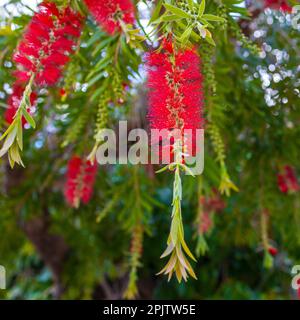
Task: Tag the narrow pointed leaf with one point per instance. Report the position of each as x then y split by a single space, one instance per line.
201 9
177 11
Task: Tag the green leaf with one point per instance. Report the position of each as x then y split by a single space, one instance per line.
186 34
186 249
8 130
156 11
94 79
205 23
175 228
268 261
102 44
20 135
27 101
202 246
201 9
29 118
210 41
9 140
94 38
211 17
191 4
177 11
11 161
162 169
168 250
187 169
170 17
15 154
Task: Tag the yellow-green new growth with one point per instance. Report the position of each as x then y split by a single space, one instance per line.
13 143
177 248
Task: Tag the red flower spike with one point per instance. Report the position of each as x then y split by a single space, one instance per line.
282 185
291 178
278 5
62 92
13 103
109 13
80 180
176 97
47 44
206 223
211 205
287 180
273 251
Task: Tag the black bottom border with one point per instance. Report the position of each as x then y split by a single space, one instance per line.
152 309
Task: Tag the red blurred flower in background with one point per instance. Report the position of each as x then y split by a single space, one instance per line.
47 44
273 251
80 180
278 5
110 14
287 180
210 206
14 100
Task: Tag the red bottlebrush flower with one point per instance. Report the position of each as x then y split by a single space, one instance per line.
291 179
62 92
109 13
13 103
176 96
206 222
47 44
278 5
287 180
282 185
81 176
210 206
215 203
273 251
